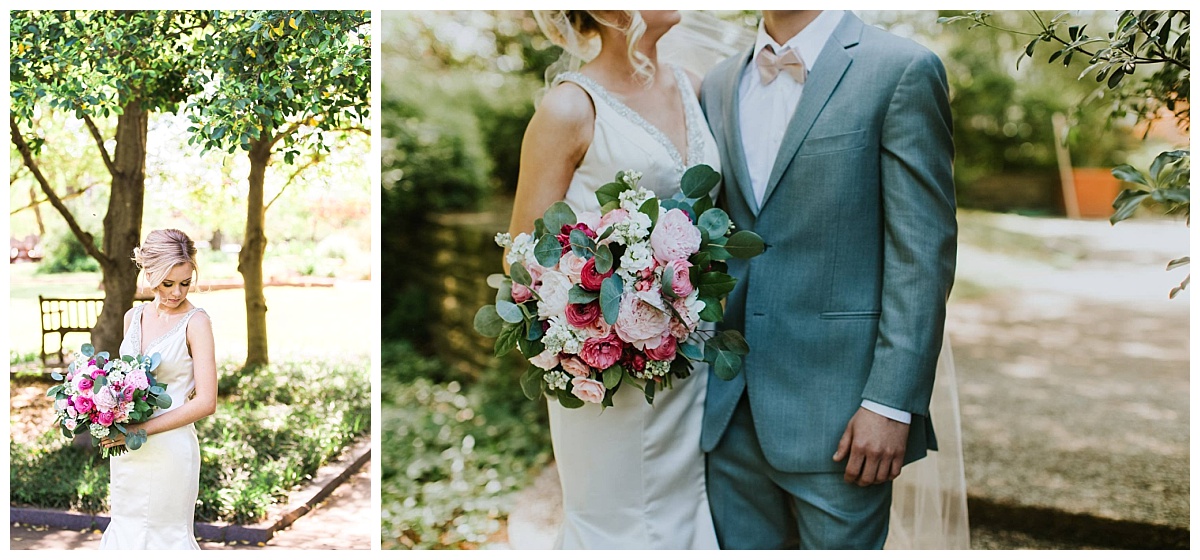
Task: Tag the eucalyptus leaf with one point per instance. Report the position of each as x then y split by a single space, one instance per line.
578 295
488 322
612 376
558 215
668 205
87 350
668 278
726 365
509 311
507 340
610 298
163 400
581 244
698 181
691 352
519 275
714 221
604 259
733 341
532 382
548 250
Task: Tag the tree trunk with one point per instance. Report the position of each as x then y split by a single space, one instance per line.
37 213
250 260
122 227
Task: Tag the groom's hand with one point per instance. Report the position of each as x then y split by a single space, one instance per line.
875 445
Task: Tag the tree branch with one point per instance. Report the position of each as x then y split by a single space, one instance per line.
317 157
290 129
37 203
27 155
108 162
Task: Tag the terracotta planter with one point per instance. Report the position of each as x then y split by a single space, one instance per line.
1095 190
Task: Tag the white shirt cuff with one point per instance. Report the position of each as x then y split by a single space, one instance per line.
883 410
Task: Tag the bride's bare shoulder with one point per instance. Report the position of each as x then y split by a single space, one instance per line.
566 104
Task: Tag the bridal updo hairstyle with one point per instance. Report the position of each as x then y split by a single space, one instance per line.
577 32
163 250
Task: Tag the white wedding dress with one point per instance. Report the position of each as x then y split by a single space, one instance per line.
152 491
633 475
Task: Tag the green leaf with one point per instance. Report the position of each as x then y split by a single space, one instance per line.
610 298
548 250
733 341
714 221
610 193
558 215
726 365
87 350
649 390
672 204
698 181
581 244
701 260
713 311
56 376
717 252
1175 196
668 277
510 312
745 244
567 400
604 259
163 400
1126 203
520 275
716 284
578 295
612 376
1163 160
650 208
532 383
702 205
691 351
487 321
507 340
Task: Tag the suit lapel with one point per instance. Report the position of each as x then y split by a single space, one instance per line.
733 131
820 85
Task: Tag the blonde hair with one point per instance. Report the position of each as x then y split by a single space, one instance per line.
571 29
163 250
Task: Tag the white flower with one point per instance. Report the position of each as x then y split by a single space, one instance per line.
554 295
631 177
561 337
633 199
633 229
521 249
99 431
638 257
557 380
504 239
654 368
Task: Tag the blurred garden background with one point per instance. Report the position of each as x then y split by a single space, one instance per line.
1071 335
249 131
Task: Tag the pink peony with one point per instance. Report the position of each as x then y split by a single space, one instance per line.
614 216
547 360
83 405
674 237
106 418
106 399
590 279
137 379
521 293
665 351
575 366
85 383
601 353
681 282
597 329
588 390
583 314
640 321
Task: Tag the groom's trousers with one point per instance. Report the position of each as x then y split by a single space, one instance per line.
755 506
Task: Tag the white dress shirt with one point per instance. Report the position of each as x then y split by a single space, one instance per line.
760 108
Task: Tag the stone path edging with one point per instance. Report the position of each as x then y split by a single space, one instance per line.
300 502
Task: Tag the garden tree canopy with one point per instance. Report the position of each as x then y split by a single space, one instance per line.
96 64
278 81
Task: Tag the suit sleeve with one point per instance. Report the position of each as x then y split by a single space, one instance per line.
920 237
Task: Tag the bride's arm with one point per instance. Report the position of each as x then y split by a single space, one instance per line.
555 141
204 368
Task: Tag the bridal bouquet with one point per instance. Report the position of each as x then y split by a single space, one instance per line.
599 301
99 395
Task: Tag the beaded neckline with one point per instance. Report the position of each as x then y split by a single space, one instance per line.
136 329
695 136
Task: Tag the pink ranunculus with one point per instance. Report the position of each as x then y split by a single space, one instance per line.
645 281
588 390
547 360
665 351
554 294
137 379
674 237
564 236
602 353
640 320
85 383
590 279
106 418
681 282
575 366
614 216
70 424
83 405
521 293
572 266
581 315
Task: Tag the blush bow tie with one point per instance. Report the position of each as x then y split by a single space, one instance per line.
770 65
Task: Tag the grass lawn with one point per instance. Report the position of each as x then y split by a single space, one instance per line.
300 321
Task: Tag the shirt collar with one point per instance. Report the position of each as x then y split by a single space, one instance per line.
808 42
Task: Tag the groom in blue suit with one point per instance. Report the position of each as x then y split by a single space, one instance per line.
836 148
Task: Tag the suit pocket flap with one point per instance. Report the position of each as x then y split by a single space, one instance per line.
834 315
835 143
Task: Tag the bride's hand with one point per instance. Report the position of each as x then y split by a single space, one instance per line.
109 443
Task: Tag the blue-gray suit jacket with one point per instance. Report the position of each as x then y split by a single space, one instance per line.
849 300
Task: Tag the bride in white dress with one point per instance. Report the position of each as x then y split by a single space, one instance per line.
633 476
152 491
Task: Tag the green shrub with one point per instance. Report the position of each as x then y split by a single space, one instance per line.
67 254
452 456
273 428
